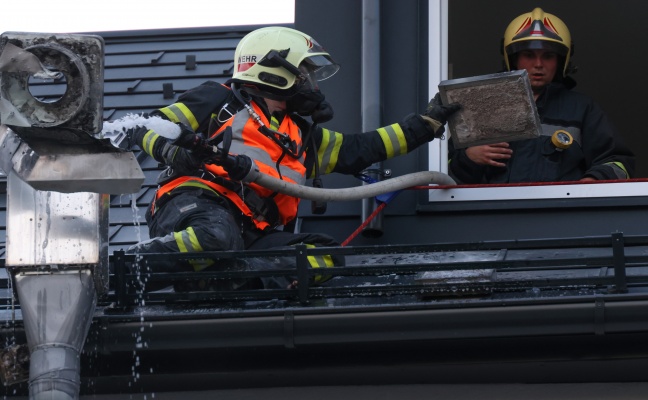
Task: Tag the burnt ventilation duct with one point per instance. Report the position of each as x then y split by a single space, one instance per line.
60 173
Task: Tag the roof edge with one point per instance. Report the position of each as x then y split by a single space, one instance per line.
147 34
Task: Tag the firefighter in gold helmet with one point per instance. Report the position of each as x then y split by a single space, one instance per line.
579 142
538 30
269 114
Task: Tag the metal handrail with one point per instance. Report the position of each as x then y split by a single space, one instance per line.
617 261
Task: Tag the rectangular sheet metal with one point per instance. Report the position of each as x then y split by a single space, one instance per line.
46 228
57 230
495 108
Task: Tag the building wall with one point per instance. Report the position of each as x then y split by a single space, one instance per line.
337 25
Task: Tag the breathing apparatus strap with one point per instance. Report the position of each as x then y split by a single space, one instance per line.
231 106
317 207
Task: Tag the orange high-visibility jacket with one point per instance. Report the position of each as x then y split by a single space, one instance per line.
246 139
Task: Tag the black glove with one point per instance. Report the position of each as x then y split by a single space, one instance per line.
135 136
187 139
323 113
310 103
439 114
237 167
144 137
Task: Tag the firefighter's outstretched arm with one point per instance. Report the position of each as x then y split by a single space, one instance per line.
351 153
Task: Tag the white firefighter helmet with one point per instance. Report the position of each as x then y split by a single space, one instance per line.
278 60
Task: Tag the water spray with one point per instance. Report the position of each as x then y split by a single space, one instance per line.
116 130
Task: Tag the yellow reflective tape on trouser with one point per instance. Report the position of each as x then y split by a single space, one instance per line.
620 166
187 242
149 141
178 112
324 261
394 140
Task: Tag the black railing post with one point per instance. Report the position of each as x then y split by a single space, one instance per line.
302 273
618 253
119 264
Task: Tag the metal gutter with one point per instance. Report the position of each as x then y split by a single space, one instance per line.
596 315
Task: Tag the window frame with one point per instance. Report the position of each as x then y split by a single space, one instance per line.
542 195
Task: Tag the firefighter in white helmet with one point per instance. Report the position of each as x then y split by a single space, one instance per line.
579 142
260 115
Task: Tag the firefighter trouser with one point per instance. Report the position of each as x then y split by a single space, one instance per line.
286 240
194 220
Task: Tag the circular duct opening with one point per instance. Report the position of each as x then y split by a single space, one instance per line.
56 110
56 87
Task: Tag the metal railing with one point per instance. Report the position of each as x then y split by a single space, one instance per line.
617 271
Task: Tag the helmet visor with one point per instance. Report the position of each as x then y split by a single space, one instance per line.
557 48
320 67
307 80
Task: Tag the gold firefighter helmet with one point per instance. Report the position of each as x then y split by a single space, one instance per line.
276 61
538 30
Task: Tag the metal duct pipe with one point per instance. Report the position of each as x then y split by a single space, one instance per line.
370 102
58 255
57 311
59 173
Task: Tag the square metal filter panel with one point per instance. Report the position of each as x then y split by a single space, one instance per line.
495 108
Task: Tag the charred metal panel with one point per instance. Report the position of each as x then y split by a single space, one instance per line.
77 60
53 145
495 108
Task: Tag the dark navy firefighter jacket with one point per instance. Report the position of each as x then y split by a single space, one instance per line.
597 150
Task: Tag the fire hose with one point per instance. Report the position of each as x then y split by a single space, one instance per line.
325 195
253 175
353 193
